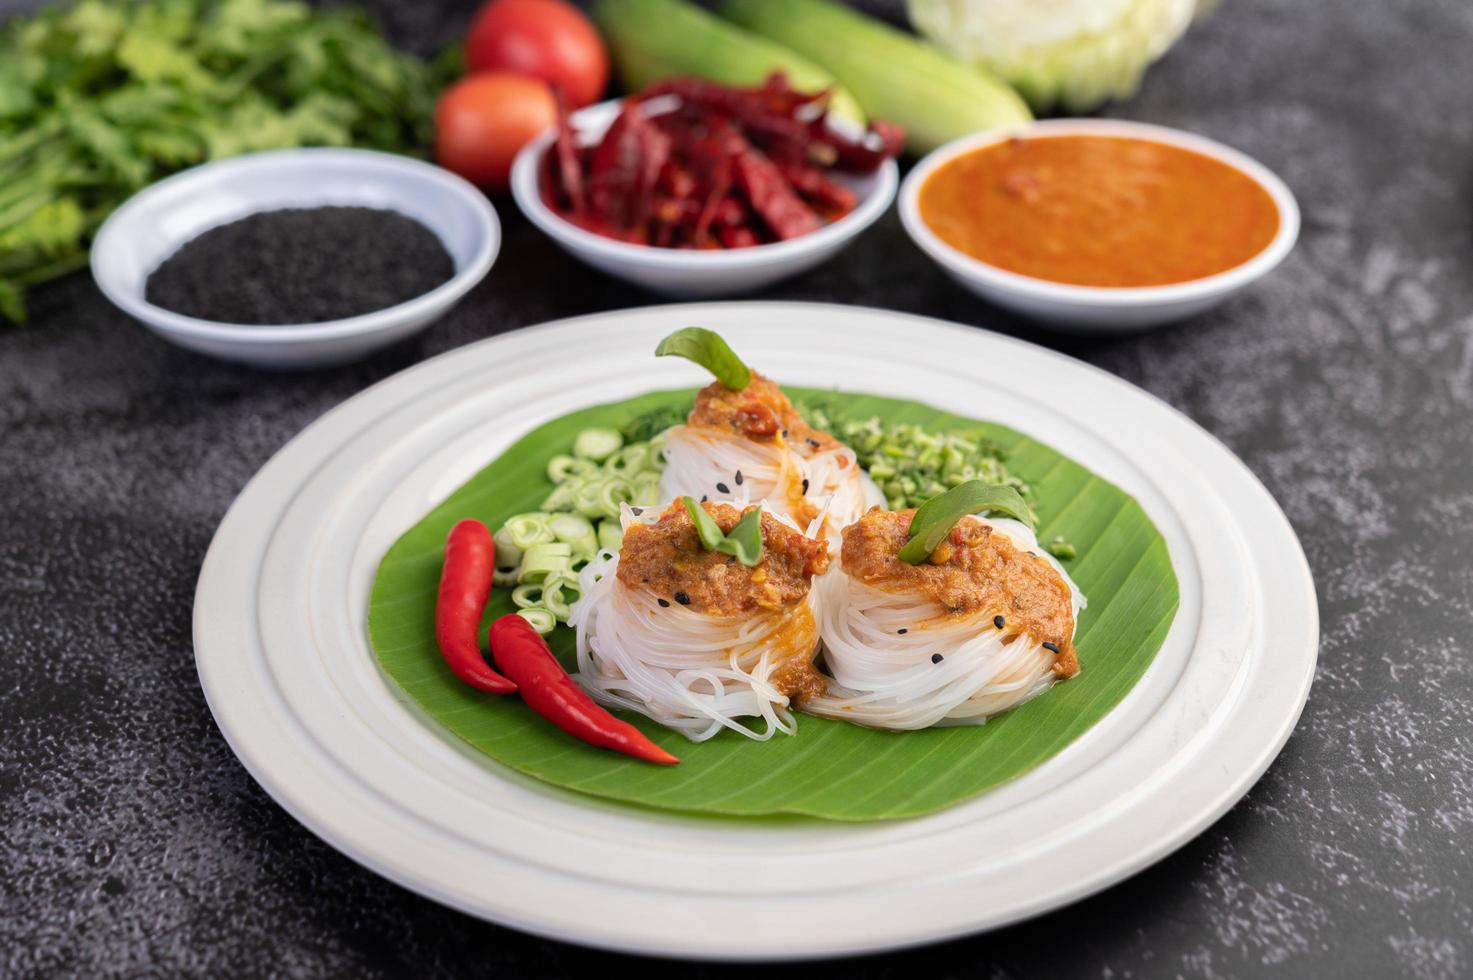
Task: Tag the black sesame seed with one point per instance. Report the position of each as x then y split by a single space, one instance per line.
785 433
999 622
682 598
1052 647
936 658
703 498
902 630
664 603
738 477
813 442
722 488
805 485
636 511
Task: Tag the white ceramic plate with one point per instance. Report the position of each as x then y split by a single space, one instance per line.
283 655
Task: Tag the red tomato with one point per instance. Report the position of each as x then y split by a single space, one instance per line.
483 120
547 39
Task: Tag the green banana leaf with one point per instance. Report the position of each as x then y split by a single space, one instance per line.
830 769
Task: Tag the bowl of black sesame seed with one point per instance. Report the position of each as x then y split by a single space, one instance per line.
296 259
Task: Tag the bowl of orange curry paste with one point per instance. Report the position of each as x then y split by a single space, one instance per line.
1099 224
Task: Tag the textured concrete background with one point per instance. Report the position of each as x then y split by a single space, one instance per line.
131 841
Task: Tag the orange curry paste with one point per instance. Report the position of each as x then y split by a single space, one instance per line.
1099 210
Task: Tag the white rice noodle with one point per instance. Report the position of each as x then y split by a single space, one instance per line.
886 679
699 461
687 670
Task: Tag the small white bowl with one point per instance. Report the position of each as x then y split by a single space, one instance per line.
155 222
686 273
1096 309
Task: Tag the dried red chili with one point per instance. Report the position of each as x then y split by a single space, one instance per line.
570 170
692 164
772 197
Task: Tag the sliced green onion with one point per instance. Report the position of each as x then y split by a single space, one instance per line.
585 498
562 496
610 535
526 530
559 594
629 460
706 348
544 560
565 467
935 518
646 490
528 596
542 621
597 444
614 492
570 527
508 552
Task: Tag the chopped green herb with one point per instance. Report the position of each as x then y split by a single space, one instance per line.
935 518
706 348
647 425
1061 549
911 464
101 97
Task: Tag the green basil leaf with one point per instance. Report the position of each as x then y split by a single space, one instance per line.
706 348
706 526
745 540
935 518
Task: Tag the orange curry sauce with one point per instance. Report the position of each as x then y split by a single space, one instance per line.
1099 210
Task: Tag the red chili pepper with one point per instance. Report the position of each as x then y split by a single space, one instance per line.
465 584
737 237
549 691
831 199
626 167
883 141
772 197
569 167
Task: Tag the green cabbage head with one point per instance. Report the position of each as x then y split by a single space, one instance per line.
1067 54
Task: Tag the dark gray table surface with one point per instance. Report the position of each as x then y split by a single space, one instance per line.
133 842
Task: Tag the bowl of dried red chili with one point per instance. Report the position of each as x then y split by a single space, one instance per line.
694 189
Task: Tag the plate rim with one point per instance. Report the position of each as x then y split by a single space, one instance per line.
1228 794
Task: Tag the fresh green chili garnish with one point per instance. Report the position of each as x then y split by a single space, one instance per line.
744 542
706 526
935 518
706 348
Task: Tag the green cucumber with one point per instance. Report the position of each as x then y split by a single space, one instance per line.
895 75
655 39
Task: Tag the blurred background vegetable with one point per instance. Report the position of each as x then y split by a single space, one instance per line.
104 97
893 74
547 39
652 40
1071 55
482 121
